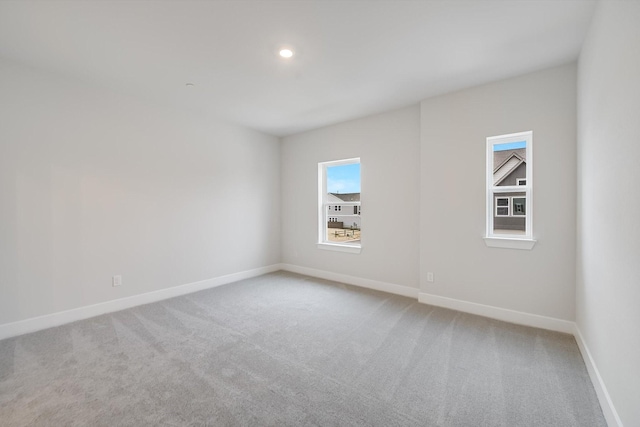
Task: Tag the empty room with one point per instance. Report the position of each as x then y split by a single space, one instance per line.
316 212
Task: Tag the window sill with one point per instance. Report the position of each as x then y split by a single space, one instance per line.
339 248
509 243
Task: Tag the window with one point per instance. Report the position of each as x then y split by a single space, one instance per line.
509 191
339 226
502 206
519 206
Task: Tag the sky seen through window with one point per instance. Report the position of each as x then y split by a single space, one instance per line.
510 146
343 179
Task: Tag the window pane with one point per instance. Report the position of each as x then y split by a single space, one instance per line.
509 185
344 179
343 188
509 214
343 228
509 163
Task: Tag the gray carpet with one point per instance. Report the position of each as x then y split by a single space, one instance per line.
284 349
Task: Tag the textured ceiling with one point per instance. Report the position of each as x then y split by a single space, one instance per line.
353 58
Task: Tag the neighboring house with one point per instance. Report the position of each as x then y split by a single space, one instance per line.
345 211
510 208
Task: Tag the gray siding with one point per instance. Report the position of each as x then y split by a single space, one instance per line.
520 172
508 223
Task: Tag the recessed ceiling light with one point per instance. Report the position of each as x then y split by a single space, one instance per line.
285 52
190 85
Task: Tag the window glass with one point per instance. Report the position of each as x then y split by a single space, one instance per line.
502 206
519 206
509 163
341 220
509 185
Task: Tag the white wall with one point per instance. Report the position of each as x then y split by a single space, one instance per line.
94 184
608 263
388 147
454 128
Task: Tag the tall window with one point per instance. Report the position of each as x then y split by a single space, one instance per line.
339 225
509 186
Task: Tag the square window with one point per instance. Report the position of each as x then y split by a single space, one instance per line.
519 206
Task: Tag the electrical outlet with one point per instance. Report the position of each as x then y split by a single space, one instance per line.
117 280
429 277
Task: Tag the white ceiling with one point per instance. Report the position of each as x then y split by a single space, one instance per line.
354 58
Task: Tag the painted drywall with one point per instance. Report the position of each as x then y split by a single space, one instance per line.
454 128
608 267
388 147
94 183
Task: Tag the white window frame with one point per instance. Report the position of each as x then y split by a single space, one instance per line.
508 205
324 206
507 240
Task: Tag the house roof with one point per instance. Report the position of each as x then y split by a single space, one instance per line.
500 157
507 161
346 197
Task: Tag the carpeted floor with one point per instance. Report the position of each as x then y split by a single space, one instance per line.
284 349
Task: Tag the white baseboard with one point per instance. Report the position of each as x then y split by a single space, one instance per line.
537 321
392 288
609 411
504 314
60 318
